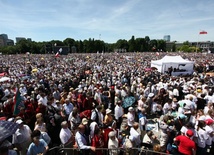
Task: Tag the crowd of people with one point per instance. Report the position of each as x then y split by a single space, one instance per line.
77 101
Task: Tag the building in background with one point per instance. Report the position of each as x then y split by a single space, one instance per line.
3 38
19 38
10 42
1 42
166 38
4 41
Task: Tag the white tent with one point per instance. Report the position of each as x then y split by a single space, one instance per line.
181 65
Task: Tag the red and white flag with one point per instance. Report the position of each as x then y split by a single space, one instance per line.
203 32
57 54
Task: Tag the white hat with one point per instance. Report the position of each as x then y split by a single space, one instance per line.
108 111
84 121
131 109
151 94
19 121
11 119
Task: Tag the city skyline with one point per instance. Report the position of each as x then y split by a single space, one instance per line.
107 20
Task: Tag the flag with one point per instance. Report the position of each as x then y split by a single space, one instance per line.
60 50
17 103
7 129
203 32
57 54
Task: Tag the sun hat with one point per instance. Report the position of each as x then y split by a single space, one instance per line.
19 121
84 121
108 111
131 109
151 94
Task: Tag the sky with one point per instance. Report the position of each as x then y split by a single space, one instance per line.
108 20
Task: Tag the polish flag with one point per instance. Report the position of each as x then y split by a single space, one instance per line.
57 54
203 32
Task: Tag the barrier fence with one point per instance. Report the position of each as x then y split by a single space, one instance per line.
103 151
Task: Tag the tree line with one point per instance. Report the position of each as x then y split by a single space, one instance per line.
87 46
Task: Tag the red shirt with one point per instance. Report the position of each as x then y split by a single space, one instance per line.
97 141
185 145
105 136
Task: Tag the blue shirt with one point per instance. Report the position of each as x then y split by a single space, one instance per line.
34 150
81 141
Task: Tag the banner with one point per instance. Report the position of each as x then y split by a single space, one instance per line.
17 103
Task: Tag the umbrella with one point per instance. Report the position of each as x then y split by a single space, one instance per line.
7 129
3 79
128 101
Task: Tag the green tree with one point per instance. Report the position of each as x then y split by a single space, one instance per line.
122 44
69 42
153 44
132 44
161 45
186 43
147 43
23 46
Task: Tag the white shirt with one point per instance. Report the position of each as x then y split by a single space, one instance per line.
202 137
22 135
68 108
143 120
140 104
100 115
118 112
136 136
65 135
209 131
113 144
43 100
167 107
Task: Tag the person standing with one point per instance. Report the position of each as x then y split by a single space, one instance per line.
113 143
82 142
66 137
38 146
22 137
186 145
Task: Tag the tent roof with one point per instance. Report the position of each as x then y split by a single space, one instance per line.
172 59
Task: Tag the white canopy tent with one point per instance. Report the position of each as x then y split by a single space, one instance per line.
181 65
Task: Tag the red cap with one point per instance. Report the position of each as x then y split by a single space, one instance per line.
3 118
209 121
189 133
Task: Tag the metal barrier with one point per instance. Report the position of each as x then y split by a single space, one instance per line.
104 151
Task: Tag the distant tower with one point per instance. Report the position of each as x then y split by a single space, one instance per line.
166 38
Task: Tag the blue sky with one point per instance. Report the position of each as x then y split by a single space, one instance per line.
109 20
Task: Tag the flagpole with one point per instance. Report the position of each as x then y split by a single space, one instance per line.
197 44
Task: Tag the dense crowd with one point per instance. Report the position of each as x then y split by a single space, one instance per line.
102 100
